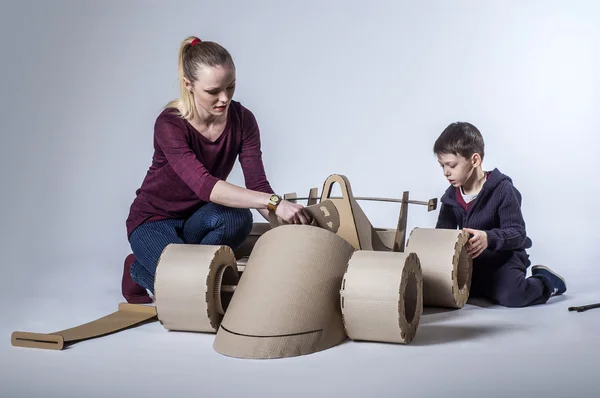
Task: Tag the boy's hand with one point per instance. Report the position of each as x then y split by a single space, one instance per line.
477 243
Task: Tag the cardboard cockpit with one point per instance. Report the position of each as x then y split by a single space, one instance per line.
293 290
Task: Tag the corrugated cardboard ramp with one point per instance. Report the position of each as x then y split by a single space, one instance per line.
126 316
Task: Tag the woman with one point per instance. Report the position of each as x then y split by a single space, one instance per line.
184 197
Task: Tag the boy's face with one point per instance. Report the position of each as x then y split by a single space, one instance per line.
457 169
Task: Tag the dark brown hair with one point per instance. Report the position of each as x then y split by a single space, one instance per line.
461 139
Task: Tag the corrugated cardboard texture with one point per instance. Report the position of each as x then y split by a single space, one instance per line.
187 289
386 237
287 302
128 315
325 215
382 296
447 268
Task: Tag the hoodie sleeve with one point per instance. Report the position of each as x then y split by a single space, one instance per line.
446 218
510 234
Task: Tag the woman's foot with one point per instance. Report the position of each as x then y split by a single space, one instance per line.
133 293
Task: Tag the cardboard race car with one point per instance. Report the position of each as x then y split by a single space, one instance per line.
292 290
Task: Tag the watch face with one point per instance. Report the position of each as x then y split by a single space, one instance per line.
275 198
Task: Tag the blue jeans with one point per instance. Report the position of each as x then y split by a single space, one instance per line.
211 224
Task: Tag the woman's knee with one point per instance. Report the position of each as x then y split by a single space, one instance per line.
149 240
237 223
217 224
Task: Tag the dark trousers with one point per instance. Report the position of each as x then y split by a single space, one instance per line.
503 281
212 224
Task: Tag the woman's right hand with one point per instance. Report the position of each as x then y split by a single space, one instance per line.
293 213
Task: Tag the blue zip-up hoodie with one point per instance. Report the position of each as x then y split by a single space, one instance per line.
496 210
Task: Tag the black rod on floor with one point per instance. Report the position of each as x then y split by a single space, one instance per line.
584 307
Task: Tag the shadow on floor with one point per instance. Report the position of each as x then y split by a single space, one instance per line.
434 314
442 334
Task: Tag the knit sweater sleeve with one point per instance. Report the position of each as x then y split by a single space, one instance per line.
250 155
446 218
171 138
511 233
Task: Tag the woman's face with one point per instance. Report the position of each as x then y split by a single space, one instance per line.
213 89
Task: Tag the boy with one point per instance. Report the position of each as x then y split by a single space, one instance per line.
488 207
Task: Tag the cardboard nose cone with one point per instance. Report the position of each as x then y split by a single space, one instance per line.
288 301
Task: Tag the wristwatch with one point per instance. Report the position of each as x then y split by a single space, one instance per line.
274 201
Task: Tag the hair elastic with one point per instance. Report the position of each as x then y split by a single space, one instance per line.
194 42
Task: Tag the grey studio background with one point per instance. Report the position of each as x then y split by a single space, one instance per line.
351 87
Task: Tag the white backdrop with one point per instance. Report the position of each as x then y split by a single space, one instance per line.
360 88
351 87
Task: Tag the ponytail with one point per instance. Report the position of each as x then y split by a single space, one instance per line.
193 54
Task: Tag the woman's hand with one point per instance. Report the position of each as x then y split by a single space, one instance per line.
293 213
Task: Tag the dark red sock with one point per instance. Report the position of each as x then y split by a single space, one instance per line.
133 293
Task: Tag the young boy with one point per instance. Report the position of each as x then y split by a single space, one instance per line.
488 206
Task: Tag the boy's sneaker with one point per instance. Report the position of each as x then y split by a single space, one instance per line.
557 282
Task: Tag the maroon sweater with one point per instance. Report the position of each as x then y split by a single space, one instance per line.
186 165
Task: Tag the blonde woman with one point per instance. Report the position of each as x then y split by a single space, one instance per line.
185 197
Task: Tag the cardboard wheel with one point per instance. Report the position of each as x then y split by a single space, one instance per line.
447 268
382 296
188 286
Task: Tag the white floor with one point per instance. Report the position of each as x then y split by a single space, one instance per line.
544 351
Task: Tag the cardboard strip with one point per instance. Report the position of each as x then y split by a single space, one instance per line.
126 316
382 296
188 286
447 268
287 303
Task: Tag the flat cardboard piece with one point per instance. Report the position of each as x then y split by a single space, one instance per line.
400 238
313 196
382 296
126 316
188 283
447 268
355 227
387 237
287 303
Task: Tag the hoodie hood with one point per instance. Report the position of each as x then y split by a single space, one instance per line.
494 179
